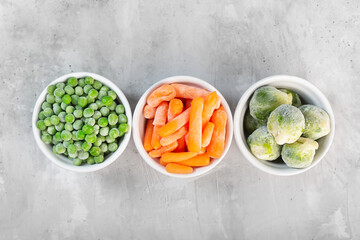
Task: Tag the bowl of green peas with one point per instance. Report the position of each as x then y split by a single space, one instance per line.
82 122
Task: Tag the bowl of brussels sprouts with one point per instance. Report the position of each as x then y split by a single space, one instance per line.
82 122
284 125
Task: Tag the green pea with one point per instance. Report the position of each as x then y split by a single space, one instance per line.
77 162
86 146
99 159
74 99
78 113
104 111
66 143
82 102
97 115
66 99
123 118
79 91
42 116
80 135
103 139
112 119
88 129
51 89
112 106
104 147
83 155
124 127
63 106
60 85
72 155
60 148
47 122
48 112
89 80
59 127
90 160
78 124
103 122
91 138
120 109
66 135
102 94
109 139
56 108
73 133
95 151
50 98
114 133
58 99
69 109
57 137
82 82
61 116
59 92
104 131
78 145
54 120
91 121
90 99
54 149
45 105
94 106
69 90
98 142
41 125
88 112
97 85
112 94
104 88
68 126
71 149
107 100
70 118
51 130
112 147
87 89
72 81
46 138
93 93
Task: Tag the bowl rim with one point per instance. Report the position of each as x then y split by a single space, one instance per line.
55 158
237 122
138 114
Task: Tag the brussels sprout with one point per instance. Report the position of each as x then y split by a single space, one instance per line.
299 154
251 124
286 123
265 100
296 102
263 145
317 122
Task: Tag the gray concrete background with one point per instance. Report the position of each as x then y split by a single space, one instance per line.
231 44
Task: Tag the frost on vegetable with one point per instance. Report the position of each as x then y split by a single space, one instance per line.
265 100
251 124
299 154
286 123
263 144
296 102
317 122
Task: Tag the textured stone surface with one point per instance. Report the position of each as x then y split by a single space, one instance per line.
231 44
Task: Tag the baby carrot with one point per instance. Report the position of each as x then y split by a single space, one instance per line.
177 157
202 150
188 103
181 145
179 169
173 137
149 112
209 106
164 93
155 138
207 134
217 143
163 163
187 139
175 124
175 108
148 134
197 161
195 125
160 114
185 91
158 152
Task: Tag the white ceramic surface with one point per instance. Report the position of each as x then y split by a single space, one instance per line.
308 94
61 160
139 125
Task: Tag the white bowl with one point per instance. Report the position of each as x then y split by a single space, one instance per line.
61 160
139 125
308 94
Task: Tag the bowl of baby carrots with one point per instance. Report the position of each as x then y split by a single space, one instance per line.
182 126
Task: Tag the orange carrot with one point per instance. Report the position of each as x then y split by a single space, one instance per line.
175 108
149 112
175 124
163 163
173 137
195 125
148 134
164 93
188 103
177 157
207 134
209 106
158 152
155 138
160 114
181 145
186 91
178 168
202 150
217 143
197 161
187 139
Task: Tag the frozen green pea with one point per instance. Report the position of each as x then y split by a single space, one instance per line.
95 151
60 148
50 98
90 100
83 155
72 149
69 90
91 138
98 142
90 160
78 145
51 130
66 99
60 85
60 126
104 111
69 118
69 109
96 127
107 100
114 133
93 93
78 113
102 138
120 109
121 133
46 138
80 135
57 137
104 88
74 99
96 131
122 118
73 133
68 126
103 147
88 129
54 120
81 82
97 115
103 122
82 102
99 104
59 92
91 121
48 112
58 99
86 146
66 154
94 106
101 95
104 131
97 85
78 124
41 125
44 131
112 106
89 80
110 139
45 105
79 91
72 156
87 89
77 161
66 143
72 81
113 119
54 148
112 147
51 89
47 122
77 107
63 106
88 112
99 159
42 116
56 108
66 135
112 94
61 116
